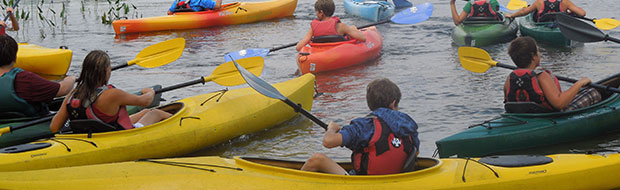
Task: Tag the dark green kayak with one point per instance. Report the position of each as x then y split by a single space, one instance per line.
480 31
543 32
512 131
42 130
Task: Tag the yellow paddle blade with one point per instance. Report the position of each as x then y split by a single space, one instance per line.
516 4
607 23
160 53
475 59
227 75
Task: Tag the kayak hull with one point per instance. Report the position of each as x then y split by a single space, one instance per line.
369 10
543 32
198 122
566 171
513 131
484 33
322 57
46 62
229 14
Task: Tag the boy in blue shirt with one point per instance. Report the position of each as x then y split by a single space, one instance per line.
381 141
195 5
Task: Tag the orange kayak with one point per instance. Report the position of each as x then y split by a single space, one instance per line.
320 57
229 14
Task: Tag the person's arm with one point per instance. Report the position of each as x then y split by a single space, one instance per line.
573 8
524 11
559 100
218 4
506 86
456 18
60 118
304 40
11 13
66 85
121 97
332 138
351 31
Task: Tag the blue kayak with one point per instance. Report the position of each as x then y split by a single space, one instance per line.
369 10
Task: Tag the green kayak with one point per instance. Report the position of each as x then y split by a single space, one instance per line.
543 32
517 131
480 31
42 130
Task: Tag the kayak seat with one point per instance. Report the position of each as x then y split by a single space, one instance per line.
90 126
183 10
525 107
516 160
410 162
328 39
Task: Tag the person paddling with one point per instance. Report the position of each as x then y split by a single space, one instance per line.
14 25
381 141
94 98
543 7
328 25
24 92
194 5
479 8
529 83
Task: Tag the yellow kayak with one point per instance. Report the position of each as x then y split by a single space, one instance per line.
564 171
46 62
198 122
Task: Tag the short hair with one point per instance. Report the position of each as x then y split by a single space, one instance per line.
8 50
380 93
327 6
522 50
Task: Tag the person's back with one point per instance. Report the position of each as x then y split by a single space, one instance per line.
194 5
542 7
479 8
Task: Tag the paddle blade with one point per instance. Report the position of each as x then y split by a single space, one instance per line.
475 59
577 30
607 23
246 53
503 8
413 15
226 74
259 84
516 4
160 53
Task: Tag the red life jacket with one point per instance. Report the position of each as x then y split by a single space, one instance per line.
324 28
524 87
3 31
182 5
482 8
77 110
550 6
385 154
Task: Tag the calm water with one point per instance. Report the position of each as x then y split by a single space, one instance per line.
437 92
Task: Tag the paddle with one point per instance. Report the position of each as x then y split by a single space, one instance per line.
8 15
604 24
516 4
266 89
411 15
157 54
225 74
479 61
577 30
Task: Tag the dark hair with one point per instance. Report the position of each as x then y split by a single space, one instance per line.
93 75
381 93
522 50
8 50
327 6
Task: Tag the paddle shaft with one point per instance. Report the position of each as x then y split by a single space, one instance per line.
293 44
120 66
8 15
301 110
616 90
27 124
177 86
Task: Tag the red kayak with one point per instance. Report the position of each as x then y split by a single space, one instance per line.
321 57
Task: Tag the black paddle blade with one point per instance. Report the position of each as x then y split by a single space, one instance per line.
577 30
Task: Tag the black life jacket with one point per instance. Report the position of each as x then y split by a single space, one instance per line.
482 8
524 87
385 154
183 6
550 6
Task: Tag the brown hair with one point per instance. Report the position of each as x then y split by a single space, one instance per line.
8 50
327 6
381 93
93 76
522 51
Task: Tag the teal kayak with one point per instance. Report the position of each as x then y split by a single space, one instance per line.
484 31
543 32
518 131
42 130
